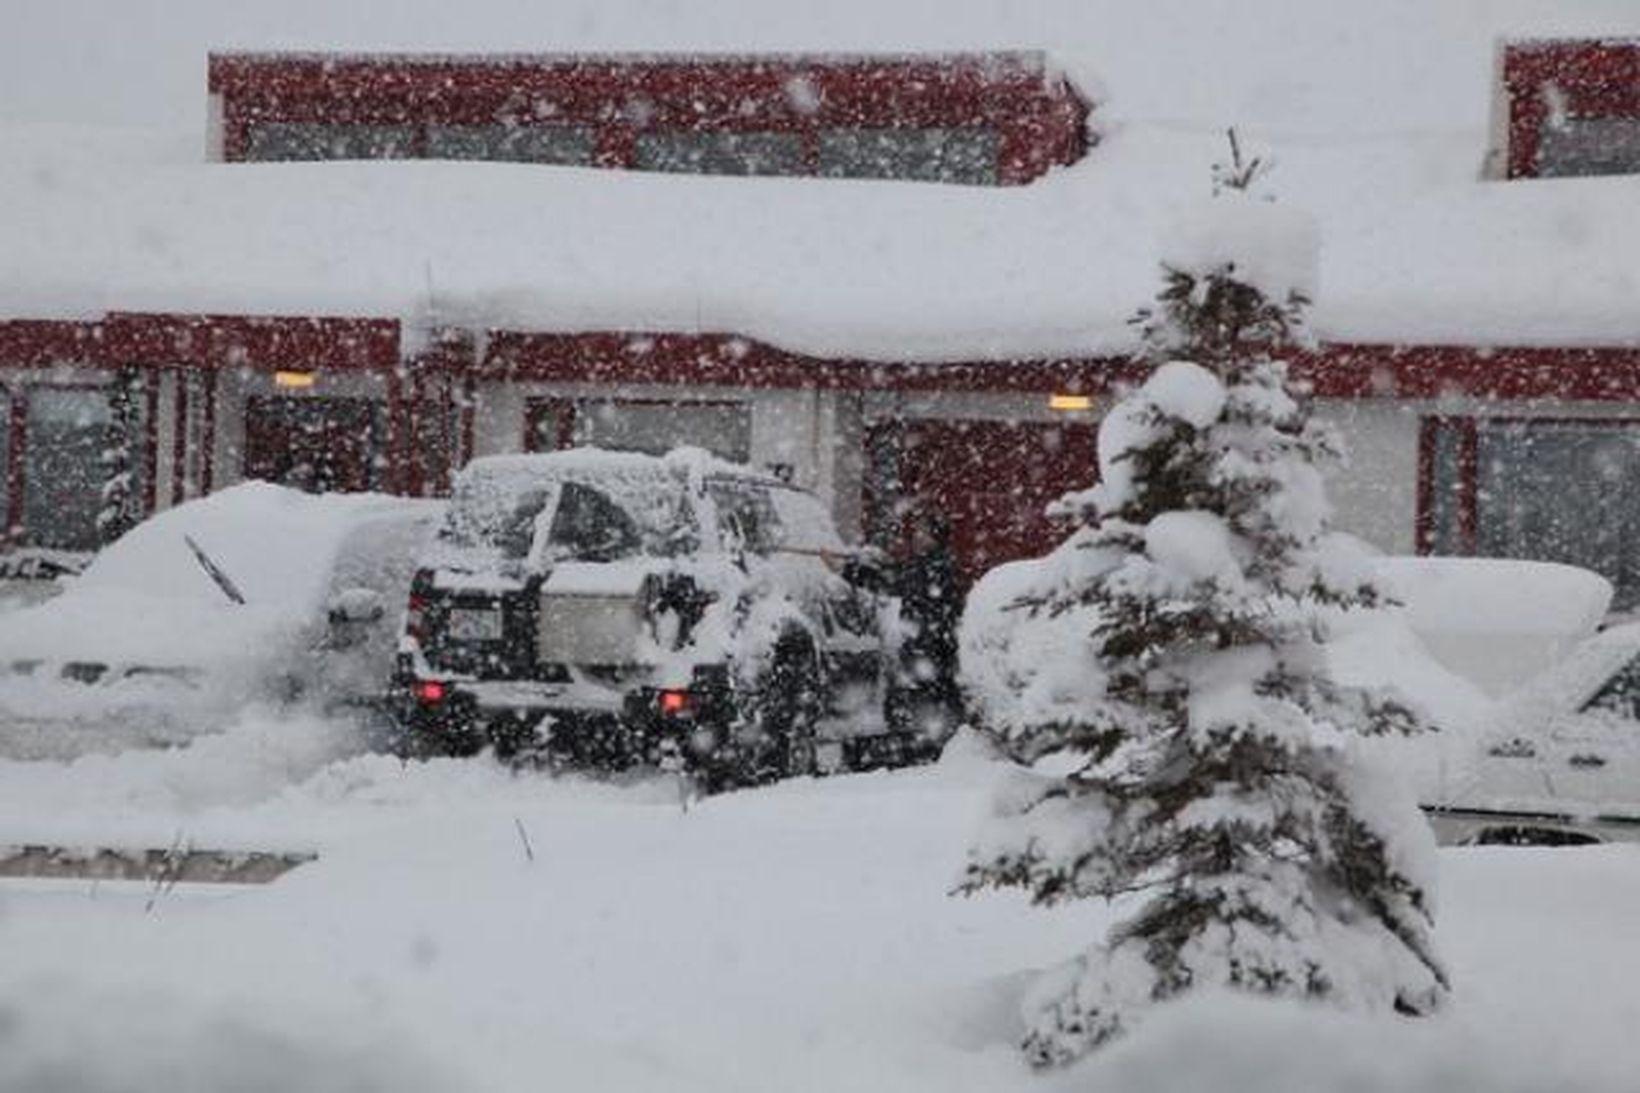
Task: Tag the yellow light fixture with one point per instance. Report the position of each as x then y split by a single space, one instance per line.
1070 402
294 379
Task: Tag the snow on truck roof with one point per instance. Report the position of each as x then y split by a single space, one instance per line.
595 462
1413 246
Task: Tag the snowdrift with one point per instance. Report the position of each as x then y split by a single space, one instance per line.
1496 622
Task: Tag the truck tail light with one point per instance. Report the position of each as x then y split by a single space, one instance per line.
675 702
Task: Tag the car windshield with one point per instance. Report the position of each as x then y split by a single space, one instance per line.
595 516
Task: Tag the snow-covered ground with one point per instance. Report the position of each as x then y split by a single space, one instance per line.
795 937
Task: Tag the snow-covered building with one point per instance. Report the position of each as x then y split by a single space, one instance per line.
177 404
918 297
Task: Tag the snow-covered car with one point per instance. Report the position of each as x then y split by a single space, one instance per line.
1559 763
148 648
617 609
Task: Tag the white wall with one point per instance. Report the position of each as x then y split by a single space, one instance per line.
1375 494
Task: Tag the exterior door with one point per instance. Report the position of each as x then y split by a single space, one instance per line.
991 480
321 445
68 435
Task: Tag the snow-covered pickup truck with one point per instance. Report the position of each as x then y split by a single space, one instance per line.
616 609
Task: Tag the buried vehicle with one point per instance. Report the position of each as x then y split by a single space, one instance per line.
617 609
255 595
1554 761
1560 762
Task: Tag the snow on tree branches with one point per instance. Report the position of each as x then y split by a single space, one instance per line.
1161 678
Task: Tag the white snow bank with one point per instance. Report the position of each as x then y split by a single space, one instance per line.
1275 247
854 269
798 937
1223 1042
59 1034
1496 622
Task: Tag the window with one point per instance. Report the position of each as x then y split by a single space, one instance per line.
722 428
721 153
74 449
1542 490
292 141
1589 146
1621 693
319 444
548 425
922 155
589 527
1448 491
745 515
566 144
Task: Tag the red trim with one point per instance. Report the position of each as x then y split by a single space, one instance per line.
1468 486
469 412
207 434
415 426
1589 78
1423 520
16 460
179 438
449 431
727 360
150 446
1596 373
263 342
1040 117
396 474
1339 370
41 343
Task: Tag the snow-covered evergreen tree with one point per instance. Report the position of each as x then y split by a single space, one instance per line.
1166 690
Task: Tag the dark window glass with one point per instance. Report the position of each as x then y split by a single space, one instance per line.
1446 471
722 428
1562 492
565 144
1589 146
546 423
745 516
589 527
1621 694
315 443
721 153
921 155
70 435
292 141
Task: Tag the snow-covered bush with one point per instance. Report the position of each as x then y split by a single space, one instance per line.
1161 678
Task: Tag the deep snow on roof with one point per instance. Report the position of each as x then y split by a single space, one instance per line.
1377 115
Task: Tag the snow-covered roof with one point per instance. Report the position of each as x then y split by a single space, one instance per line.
1378 117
